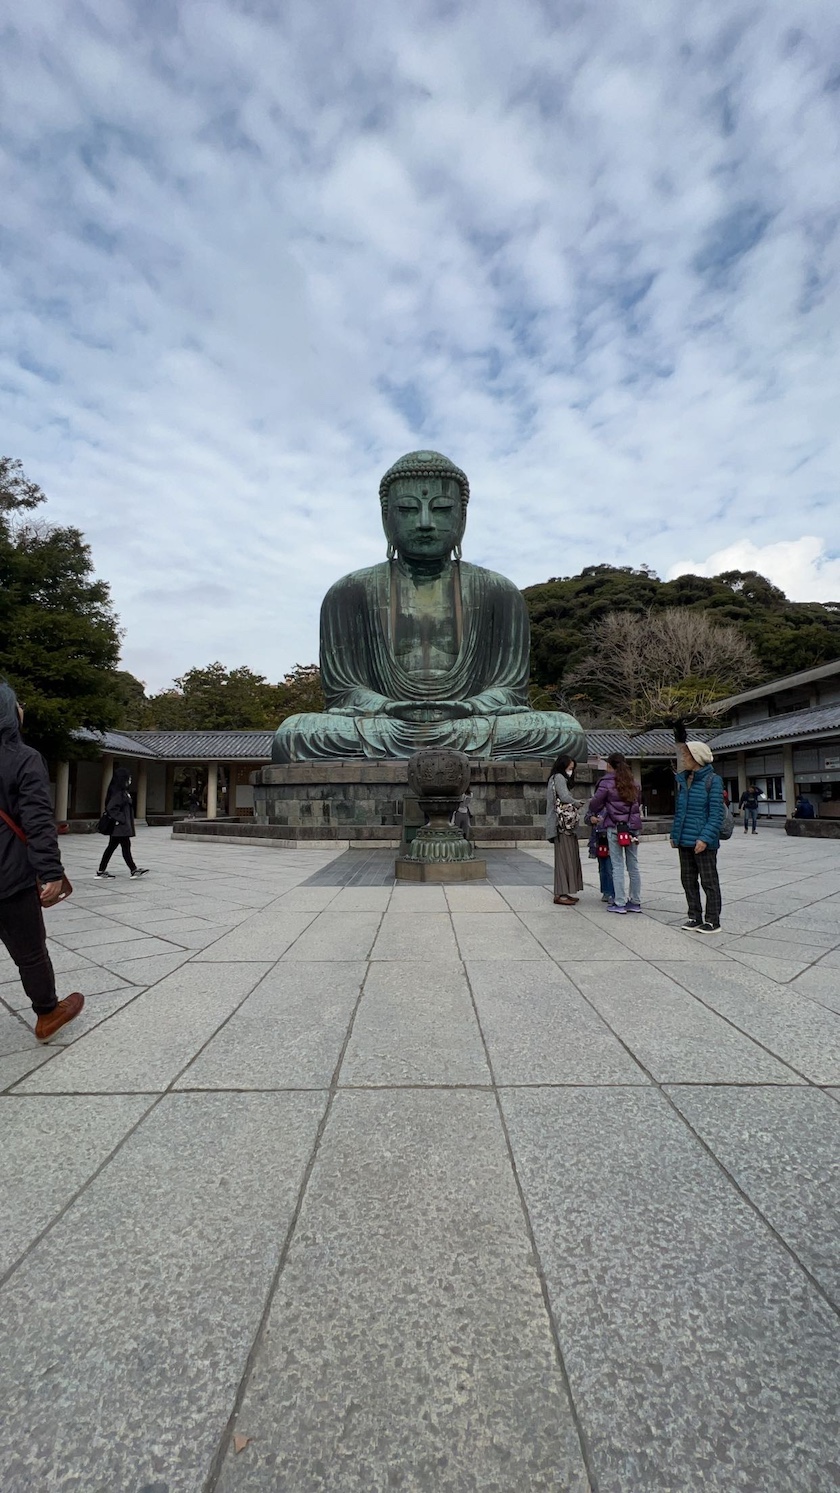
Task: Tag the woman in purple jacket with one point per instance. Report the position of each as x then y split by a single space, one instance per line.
614 806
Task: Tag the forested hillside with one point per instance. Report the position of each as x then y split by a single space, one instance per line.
785 635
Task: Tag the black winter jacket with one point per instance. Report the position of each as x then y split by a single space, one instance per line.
25 797
118 804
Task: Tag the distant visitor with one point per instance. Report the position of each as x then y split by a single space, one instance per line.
425 649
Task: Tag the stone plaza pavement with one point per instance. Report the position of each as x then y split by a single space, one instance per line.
340 1186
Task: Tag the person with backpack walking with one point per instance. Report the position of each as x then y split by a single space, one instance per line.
31 874
749 802
701 820
615 808
118 823
560 827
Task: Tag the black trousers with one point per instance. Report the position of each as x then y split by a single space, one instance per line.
22 931
125 845
704 867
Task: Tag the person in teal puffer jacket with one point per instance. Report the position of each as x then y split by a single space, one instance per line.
695 833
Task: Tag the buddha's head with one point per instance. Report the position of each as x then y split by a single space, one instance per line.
424 500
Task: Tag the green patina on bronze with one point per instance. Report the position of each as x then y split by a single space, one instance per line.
425 649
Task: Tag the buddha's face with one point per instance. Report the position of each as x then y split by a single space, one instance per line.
424 520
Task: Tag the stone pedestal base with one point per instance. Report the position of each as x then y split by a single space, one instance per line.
437 871
366 800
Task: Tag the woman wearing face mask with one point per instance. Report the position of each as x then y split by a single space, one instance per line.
560 821
120 811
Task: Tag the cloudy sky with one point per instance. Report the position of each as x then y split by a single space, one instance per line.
253 251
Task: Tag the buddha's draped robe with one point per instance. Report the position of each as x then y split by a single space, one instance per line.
382 643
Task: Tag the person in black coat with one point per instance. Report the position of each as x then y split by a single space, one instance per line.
120 810
31 873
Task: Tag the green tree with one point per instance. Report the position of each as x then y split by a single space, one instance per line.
217 699
59 637
786 635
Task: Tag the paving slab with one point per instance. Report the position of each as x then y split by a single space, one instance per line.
265 937
52 1144
564 935
782 1146
475 898
361 899
341 936
145 972
408 1343
415 1025
93 982
683 1323
676 1037
15 1035
819 984
418 938
501 937
307 899
781 971
141 1346
130 948
145 1046
540 1030
652 940
18 1064
287 1034
796 1030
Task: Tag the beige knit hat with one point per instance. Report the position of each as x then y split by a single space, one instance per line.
701 753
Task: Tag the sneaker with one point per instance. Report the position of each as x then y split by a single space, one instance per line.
108 874
140 871
634 906
605 897
690 924
47 1026
614 907
708 927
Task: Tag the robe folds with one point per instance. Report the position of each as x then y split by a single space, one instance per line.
376 708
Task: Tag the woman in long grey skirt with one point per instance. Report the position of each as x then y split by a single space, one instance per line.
568 873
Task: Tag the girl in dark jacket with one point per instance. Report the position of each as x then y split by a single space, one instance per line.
119 808
31 873
616 803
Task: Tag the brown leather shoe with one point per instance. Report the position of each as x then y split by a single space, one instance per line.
47 1026
566 901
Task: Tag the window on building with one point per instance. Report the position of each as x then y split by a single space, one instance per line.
775 790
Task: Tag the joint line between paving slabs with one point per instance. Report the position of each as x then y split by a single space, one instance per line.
583 1440
217 1465
672 1105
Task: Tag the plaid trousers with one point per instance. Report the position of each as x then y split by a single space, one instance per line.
704 868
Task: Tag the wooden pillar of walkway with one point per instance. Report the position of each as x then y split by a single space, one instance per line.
212 788
790 781
142 791
742 773
107 774
62 792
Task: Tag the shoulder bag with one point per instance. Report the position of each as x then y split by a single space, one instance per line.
567 814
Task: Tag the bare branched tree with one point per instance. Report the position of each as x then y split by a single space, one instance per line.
646 667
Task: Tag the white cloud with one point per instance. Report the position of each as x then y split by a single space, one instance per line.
252 252
802 568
